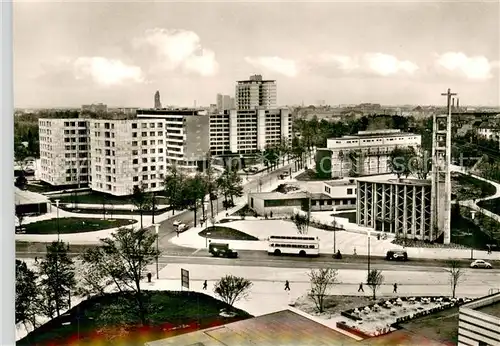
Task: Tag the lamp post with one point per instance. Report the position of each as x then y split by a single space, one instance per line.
157 228
369 233
334 232
153 207
206 239
57 211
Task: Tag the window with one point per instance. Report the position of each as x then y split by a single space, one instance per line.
134 126
152 125
152 133
144 169
134 134
134 143
349 191
144 125
136 179
135 152
144 151
144 134
144 177
135 161
144 142
144 160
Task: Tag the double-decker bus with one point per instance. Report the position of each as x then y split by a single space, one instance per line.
302 245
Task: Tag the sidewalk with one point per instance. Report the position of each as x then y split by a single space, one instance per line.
267 294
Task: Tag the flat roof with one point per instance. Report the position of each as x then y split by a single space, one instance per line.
23 197
392 179
279 195
284 328
490 309
377 135
339 182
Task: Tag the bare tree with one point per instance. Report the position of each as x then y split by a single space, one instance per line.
301 222
20 217
321 280
232 288
374 280
456 274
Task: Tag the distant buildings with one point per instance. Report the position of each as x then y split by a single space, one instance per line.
95 108
157 100
224 103
366 153
255 93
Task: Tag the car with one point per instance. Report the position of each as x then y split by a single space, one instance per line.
396 255
481 264
181 228
222 250
176 223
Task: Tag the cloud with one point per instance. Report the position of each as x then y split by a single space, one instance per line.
369 64
474 67
180 49
106 72
276 64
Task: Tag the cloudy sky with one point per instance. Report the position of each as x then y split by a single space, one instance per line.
68 54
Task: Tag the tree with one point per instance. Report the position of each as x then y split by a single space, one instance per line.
141 199
57 272
174 182
230 185
271 157
400 161
231 288
374 280
301 222
121 260
194 192
211 183
456 274
321 280
21 181
420 164
26 295
20 216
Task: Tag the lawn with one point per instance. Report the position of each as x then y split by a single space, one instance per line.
93 198
441 325
467 187
465 233
110 211
351 216
74 225
226 233
111 320
310 175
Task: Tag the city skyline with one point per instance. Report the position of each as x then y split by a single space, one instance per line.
390 53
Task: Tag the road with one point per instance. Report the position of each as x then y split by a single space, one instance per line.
167 229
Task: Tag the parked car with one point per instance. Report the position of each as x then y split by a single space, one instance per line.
176 223
481 264
182 227
396 255
222 250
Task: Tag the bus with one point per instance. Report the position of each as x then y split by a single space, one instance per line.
301 245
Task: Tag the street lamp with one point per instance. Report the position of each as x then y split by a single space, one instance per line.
206 239
369 234
157 228
57 211
334 232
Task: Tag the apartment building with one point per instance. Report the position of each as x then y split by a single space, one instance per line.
64 151
126 153
246 131
187 135
255 93
368 152
224 102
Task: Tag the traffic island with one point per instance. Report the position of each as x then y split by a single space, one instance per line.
225 233
67 225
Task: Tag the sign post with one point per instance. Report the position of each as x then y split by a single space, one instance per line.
184 278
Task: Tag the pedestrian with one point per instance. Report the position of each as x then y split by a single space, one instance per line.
271 214
355 251
287 286
149 277
395 290
36 259
360 289
205 285
489 249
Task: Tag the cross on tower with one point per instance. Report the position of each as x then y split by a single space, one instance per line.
449 94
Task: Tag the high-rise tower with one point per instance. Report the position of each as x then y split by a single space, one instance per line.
255 93
157 100
441 178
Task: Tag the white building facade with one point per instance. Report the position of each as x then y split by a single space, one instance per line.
248 131
368 152
64 151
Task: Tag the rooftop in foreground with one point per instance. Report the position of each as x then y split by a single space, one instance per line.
491 309
284 328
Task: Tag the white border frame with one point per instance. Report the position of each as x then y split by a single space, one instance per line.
7 237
